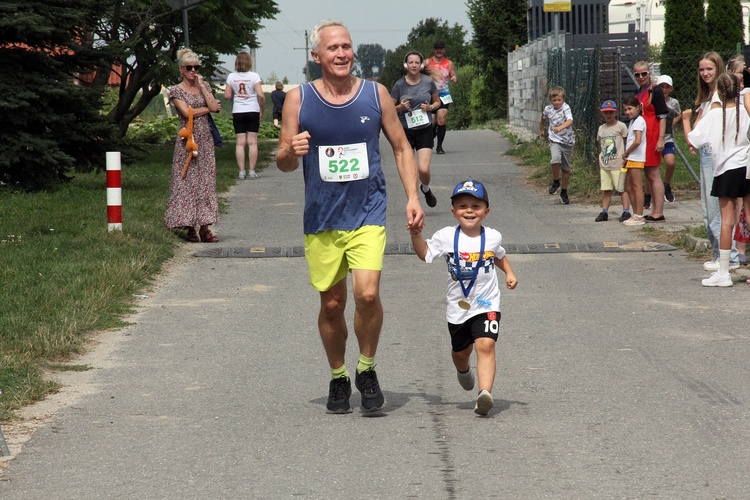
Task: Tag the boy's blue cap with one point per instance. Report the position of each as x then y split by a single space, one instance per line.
473 188
609 105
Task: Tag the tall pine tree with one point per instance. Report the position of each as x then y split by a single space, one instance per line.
725 26
50 124
685 40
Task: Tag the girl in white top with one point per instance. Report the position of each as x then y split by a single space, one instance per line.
248 102
634 157
710 67
725 131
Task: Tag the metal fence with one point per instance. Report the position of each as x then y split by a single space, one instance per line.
593 69
571 70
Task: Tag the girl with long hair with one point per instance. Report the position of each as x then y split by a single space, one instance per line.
724 129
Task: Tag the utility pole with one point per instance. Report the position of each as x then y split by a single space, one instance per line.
184 5
307 57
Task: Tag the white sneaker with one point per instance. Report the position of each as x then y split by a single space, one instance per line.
484 403
717 279
253 175
635 221
713 265
466 379
242 175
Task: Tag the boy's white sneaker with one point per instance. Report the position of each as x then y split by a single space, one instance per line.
466 379
713 265
484 403
717 279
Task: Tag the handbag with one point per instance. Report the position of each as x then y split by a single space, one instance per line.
218 142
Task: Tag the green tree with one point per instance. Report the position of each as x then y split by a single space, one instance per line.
685 39
369 60
724 25
499 26
272 78
142 38
421 38
51 123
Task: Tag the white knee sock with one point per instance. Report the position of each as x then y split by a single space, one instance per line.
724 261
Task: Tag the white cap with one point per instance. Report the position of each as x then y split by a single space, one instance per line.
665 79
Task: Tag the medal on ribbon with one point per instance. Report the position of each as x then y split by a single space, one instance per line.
463 303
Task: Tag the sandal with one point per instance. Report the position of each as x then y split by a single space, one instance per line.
192 235
208 237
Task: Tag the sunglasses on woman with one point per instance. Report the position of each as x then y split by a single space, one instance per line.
637 75
197 67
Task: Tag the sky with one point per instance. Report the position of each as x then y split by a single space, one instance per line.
386 22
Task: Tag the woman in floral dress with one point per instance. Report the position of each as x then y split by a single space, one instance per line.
193 200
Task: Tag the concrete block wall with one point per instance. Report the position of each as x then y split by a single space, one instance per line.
527 82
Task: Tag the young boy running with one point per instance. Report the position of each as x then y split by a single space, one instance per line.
561 138
472 252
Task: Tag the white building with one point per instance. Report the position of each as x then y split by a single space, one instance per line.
648 15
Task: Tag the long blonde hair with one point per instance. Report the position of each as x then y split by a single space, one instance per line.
704 89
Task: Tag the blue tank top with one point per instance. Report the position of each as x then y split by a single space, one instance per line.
342 205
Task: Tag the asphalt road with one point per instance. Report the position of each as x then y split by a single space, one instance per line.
619 375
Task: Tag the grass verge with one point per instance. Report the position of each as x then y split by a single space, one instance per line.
63 277
585 188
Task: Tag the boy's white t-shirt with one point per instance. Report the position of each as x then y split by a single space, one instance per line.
611 145
484 295
244 97
557 117
639 153
732 153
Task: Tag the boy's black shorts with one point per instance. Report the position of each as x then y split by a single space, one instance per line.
479 326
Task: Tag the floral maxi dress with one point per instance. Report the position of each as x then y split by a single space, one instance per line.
193 200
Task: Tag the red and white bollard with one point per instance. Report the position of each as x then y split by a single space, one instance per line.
114 192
